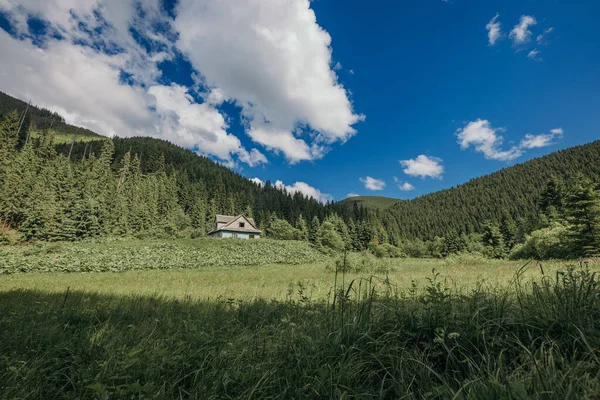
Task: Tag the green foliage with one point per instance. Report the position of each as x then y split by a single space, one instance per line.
9 135
583 213
543 244
330 237
119 256
281 229
493 241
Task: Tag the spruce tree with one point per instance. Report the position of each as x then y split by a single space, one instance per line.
314 232
9 135
583 208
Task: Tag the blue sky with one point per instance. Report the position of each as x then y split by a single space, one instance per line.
327 99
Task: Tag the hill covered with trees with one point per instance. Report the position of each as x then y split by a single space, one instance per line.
147 187
509 196
37 119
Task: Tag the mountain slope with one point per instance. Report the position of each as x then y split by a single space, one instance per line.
370 202
40 119
510 194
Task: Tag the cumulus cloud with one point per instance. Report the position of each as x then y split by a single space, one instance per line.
305 189
485 139
404 186
372 183
494 30
271 58
521 34
352 195
274 60
546 139
423 166
78 82
192 124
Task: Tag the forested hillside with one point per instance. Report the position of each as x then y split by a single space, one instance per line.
147 187
133 186
505 197
38 119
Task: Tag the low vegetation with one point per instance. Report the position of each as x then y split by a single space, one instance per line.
135 255
536 339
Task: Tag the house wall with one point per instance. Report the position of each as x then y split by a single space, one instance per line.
240 235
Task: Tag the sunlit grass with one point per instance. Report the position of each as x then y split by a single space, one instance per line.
267 281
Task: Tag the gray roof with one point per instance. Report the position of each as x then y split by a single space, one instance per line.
231 225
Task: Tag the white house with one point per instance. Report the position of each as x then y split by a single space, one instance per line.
240 227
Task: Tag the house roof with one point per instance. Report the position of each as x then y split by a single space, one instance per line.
232 225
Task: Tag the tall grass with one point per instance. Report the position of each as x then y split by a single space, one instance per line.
536 339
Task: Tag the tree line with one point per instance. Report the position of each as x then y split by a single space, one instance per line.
147 187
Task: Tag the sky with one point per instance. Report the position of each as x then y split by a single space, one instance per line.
329 98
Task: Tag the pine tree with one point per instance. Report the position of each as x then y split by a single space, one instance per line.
314 233
302 228
9 135
583 208
493 240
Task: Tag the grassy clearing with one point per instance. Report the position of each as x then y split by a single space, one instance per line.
211 269
67 138
261 327
539 340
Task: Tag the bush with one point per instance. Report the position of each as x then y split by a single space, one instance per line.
331 238
281 229
414 248
545 243
363 262
385 250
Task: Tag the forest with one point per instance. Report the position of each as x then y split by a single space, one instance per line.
149 188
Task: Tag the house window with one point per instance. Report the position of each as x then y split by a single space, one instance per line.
251 236
242 224
234 235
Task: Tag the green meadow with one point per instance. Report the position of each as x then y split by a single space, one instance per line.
222 319
241 270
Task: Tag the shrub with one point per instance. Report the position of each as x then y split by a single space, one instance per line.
281 229
551 242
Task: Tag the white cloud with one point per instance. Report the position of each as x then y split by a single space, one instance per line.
423 166
269 57
521 34
192 124
534 55
546 139
541 38
372 183
404 186
337 66
78 82
484 138
258 181
494 30
274 59
305 189
352 195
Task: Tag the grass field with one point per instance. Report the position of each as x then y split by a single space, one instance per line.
267 328
209 269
